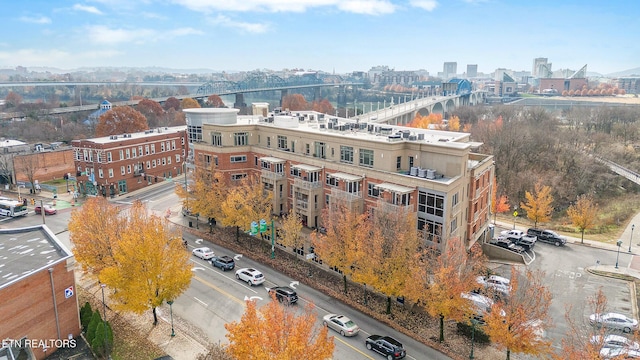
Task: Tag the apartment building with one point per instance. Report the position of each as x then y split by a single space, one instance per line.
308 159
118 164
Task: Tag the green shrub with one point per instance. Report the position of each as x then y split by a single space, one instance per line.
480 337
93 324
102 342
85 315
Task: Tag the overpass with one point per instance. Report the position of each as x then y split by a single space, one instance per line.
620 170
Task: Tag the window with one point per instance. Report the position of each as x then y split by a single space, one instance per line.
268 141
109 159
352 187
366 157
372 190
332 181
121 155
398 162
128 169
173 144
239 158
169 160
167 145
134 152
153 148
177 158
164 161
122 170
110 173
431 203
410 161
216 139
293 146
146 149
76 153
240 139
282 142
153 162
161 147
432 230
454 200
140 150
320 150
148 164
346 154
454 224
128 152
100 173
236 177
307 149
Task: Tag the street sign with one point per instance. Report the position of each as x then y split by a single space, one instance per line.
515 213
68 292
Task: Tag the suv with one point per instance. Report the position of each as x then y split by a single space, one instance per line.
386 345
223 262
284 294
548 236
251 276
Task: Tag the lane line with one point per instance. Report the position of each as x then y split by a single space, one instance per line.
205 282
201 302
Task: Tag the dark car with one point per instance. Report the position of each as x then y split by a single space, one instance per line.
547 236
386 345
223 262
508 244
284 294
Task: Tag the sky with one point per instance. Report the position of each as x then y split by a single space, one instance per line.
338 36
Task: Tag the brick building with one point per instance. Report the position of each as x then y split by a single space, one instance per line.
38 292
45 165
119 164
308 160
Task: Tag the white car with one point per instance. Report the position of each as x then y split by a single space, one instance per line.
250 276
615 341
614 321
481 303
203 253
495 282
619 353
341 324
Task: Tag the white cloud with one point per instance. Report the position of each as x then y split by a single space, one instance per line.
428 5
32 57
369 7
103 35
150 15
85 8
184 32
243 26
35 20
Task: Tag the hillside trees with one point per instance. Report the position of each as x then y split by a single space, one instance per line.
295 102
152 110
539 204
121 120
323 106
273 332
214 101
172 103
583 214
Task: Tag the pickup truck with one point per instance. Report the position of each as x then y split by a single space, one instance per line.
521 238
548 236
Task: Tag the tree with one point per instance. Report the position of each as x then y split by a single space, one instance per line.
103 339
172 103
12 100
85 315
291 230
152 110
498 205
294 102
274 332
28 164
246 203
538 205
189 103
208 190
433 120
93 325
442 277
583 214
121 120
323 106
515 322
453 124
214 101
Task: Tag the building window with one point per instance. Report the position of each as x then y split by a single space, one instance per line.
282 142
134 152
148 164
109 159
100 173
410 162
169 160
372 191
140 150
332 181
128 152
432 230
366 157
121 155
398 162
320 150
177 158
236 177
146 149
454 201
110 173
432 204
307 149
216 139
346 154
153 148
173 144
293 146
239 158
122 170
128 169
215 160
164 161
153 163
268 141
454 225
161 147
240 139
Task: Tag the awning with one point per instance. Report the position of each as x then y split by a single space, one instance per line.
344 176
272 159
395 188
306 167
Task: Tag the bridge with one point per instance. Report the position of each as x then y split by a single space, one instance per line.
620 170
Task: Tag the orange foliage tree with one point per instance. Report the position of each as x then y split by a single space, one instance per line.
515 323
121 120
172 103
454 123
426 122
538 205
189 103
498 205
291 230
208 190
295 102
12 100
152 110
323 106
214 101
274 332
583 214
244 204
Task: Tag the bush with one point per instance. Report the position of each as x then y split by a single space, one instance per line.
93 324
85 315
102 342
467 329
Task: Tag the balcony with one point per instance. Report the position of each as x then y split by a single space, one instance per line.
308 185
272 175
302 204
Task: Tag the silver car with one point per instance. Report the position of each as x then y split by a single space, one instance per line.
614 321
341 324
203 253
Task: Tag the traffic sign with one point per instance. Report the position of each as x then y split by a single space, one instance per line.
515 213
68 292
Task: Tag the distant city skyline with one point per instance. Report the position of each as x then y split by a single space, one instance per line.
326 35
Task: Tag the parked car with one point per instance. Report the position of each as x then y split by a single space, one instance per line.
386 345
203 253
520 238
284 294
48 209
619 353
223 262
496 283
481 304
614 321
614 341
250 276
508 244
547 236
341 324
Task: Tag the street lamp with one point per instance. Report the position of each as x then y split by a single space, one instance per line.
474 323
170 302
104 316
618 256
633 226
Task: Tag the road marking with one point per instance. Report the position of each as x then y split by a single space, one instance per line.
239 301
294 284
352 347
201 302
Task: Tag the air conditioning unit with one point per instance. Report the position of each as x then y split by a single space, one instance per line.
113 137
431 174
422 173
413 171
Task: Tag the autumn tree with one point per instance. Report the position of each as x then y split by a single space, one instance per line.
498 205
454 124
295 102
121 120
515 322
172 103
214 101
583 214
291 230
189 103
273 332
538 205
433 120
12 100
152 110
143 262
246 203
440 279
207 191
28 165
346 232
323 106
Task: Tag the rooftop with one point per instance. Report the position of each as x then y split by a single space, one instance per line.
138 135
24 251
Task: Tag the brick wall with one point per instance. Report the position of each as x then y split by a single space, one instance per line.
48 165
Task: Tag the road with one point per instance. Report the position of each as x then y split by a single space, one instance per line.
216 297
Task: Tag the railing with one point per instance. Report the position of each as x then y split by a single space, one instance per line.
307 184
272 175
301 204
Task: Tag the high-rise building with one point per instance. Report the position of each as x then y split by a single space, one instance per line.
450 69
472 70
541 68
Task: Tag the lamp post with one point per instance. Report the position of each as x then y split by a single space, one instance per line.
633 226
170 302
184 164
474 322
273 240
104 315
618 256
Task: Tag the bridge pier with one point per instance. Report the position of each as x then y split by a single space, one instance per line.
283 94
342 96
240 104
316 94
